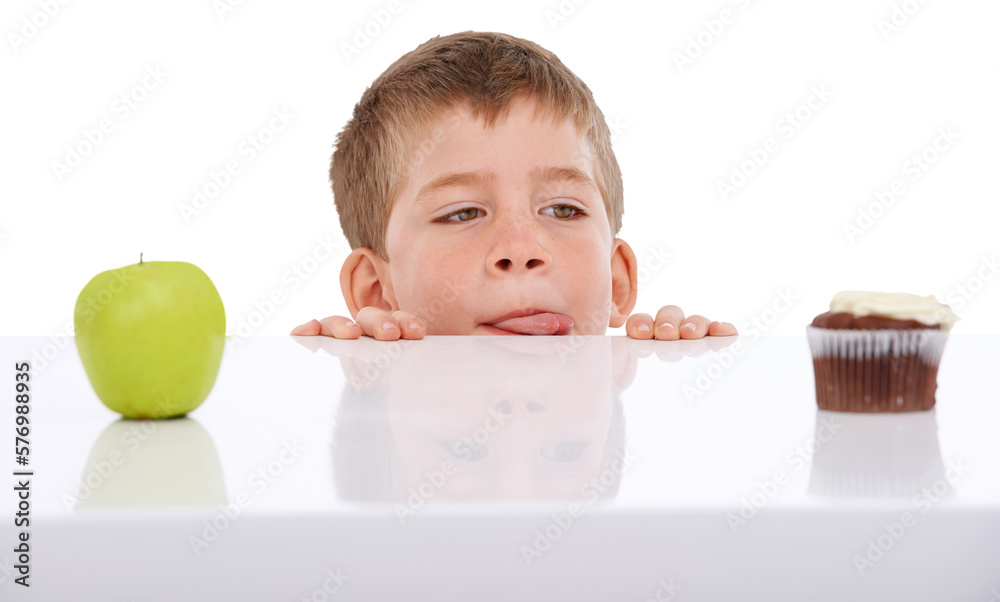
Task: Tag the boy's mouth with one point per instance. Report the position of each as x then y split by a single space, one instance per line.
531 321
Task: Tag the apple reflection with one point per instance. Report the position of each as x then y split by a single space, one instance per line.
151 463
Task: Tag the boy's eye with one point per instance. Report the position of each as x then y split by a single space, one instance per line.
462 215
563 211
567 451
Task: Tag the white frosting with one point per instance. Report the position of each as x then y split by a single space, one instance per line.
900 306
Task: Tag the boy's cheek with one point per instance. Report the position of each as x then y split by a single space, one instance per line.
442 308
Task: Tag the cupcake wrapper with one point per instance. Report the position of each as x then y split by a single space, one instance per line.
875 370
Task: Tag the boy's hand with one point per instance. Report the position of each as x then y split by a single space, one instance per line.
670 325
372 321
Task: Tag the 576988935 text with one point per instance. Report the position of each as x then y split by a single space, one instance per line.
22 476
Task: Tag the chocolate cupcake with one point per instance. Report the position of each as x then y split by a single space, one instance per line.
878 352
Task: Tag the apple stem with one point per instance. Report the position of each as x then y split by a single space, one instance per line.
140 258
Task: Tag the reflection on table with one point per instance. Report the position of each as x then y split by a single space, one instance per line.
547 426
150 463
418 422
875 455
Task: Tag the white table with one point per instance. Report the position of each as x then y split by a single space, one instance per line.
508 468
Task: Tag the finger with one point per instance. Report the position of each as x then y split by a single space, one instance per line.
309 329
378 324
721 329
668 323
694 327
339 327
410 325
639 326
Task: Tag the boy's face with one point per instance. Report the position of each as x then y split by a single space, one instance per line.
503 231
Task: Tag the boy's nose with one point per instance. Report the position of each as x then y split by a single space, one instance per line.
518 250
505 265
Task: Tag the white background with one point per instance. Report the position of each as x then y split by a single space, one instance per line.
681 128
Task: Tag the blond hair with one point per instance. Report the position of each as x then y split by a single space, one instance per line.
485 71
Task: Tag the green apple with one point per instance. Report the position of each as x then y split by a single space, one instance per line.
150 336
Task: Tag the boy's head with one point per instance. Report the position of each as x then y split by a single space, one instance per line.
476 181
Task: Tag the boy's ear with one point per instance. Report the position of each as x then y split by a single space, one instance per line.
364 280
624 282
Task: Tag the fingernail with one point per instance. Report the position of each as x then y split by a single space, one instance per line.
348 324
690 327
414 326
388 325
642 328
666 327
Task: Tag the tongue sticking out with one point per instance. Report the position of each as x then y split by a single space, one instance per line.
538 324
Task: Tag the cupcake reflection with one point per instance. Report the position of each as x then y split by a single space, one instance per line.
876 455
151 463
482 419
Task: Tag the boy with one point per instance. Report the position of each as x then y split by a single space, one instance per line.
479 192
